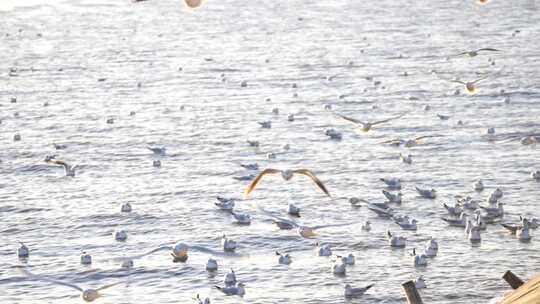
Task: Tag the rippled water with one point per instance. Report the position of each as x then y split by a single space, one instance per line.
304 41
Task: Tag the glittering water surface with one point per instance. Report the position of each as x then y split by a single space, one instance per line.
271 45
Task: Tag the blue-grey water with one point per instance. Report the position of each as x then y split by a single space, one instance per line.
62 48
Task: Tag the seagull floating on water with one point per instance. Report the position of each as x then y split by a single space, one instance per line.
408 143
284 259
459 222
228 244
237 290
396 241
23 251
265 124
479 186
339 268
407 159
126 207
86 259
230 278
293 210
201 301
392 183
420 283
333 134
253 166
158 150
286 175
211 265
420 260
226 204
392 198
427 193
351 292
120 235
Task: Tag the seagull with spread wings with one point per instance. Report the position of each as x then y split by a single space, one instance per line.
307 232
408 143
286 175
474 53
366 126
69 169
470 85
87 295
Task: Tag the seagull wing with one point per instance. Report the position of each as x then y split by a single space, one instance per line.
426 136
109 286
270 214
310 174
388 119
36 277
458 81
349 119
488 49
330 225
479 79
161 248
254 183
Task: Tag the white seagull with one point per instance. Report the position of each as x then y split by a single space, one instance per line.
88 295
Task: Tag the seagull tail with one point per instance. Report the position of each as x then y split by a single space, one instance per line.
369 286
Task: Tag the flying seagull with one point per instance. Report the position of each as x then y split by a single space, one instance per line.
286 175
366 126
88 295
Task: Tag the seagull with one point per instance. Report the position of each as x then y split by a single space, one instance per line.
468 202
211 265
126 207
366 126
459 222
536 175
324 250
70 170
200 301
392 198
456 210
59 146
333 134
192 4
237 290
470 85
228 244
474 53
523 233
495 212
431 248
86 259
254 143
226 204
443 117
230 278
156 163
396 241
284 259
427 193
241 218
286 175
23 252
351 292
265 124
304 231
420 260
293 210
408 143
120 235
392 183
253 166
406 158
348 260
366 226
474 235
339 268
158 150
420 283
381 212
179 252
88 295
479 186
408 225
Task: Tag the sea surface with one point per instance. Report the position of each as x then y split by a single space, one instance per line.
190 65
